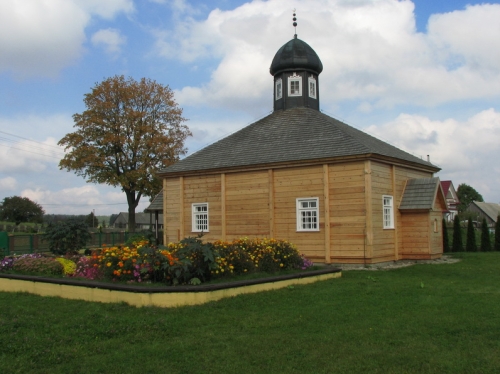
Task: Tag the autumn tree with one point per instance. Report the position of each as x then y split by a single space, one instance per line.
467 194
129 130
20 209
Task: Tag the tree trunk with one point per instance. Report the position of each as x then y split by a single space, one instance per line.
132 204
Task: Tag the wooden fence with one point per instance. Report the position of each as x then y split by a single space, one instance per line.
31 243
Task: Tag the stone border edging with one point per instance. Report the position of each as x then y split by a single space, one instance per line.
170 296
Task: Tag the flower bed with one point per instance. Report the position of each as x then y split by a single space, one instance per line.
189 262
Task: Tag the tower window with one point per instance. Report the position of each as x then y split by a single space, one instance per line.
294 86
279 89
312 87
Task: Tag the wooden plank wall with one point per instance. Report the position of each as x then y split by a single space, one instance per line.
384 240
436 237
436 240
171 209
247 204
243 203
402 174
347 212
290 184
415 232
203 189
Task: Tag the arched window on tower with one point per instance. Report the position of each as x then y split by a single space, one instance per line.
312 87
279 89
294 86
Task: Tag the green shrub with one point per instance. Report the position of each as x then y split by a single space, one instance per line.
485 237
67 236
470 245
457 245
446 242
43 265
143 236
497 235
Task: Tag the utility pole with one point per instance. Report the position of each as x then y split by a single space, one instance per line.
93 217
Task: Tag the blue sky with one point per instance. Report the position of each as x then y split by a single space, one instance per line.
421 75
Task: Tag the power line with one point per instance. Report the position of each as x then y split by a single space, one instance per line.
34 141
35 153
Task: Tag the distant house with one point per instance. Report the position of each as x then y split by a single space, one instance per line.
490 211
451 199
143 221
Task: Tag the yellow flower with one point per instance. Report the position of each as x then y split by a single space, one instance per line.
108 264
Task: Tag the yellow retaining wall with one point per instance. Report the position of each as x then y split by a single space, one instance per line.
160 299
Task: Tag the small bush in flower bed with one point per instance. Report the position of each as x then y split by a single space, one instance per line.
191 261
43 265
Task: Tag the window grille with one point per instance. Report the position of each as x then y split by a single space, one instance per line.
308 214
388 212
200 217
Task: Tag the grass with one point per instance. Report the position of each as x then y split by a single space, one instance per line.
419 319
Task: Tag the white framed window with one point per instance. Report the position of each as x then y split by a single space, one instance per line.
200 217
312 87
279 89
308 214
294 85
388 212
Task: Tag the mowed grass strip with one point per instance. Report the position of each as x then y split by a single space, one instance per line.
420 319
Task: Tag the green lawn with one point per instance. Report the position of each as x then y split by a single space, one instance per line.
419 319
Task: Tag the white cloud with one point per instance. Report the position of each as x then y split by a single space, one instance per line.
469 37
39 38
110 39
370 50
108 8
7 184
24 156
27 153
82 200
466 151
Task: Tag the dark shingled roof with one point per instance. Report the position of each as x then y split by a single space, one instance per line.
296 54
156 204
419 194
298 134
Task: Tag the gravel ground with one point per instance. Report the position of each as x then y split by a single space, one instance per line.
397 264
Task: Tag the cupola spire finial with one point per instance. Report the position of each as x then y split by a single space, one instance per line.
295 23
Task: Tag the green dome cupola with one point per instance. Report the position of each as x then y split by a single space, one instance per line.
295 69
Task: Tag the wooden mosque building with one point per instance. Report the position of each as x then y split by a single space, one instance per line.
338 194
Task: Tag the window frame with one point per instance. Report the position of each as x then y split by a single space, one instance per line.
388 224
195 224
310 81
279 83
294 78
300 209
